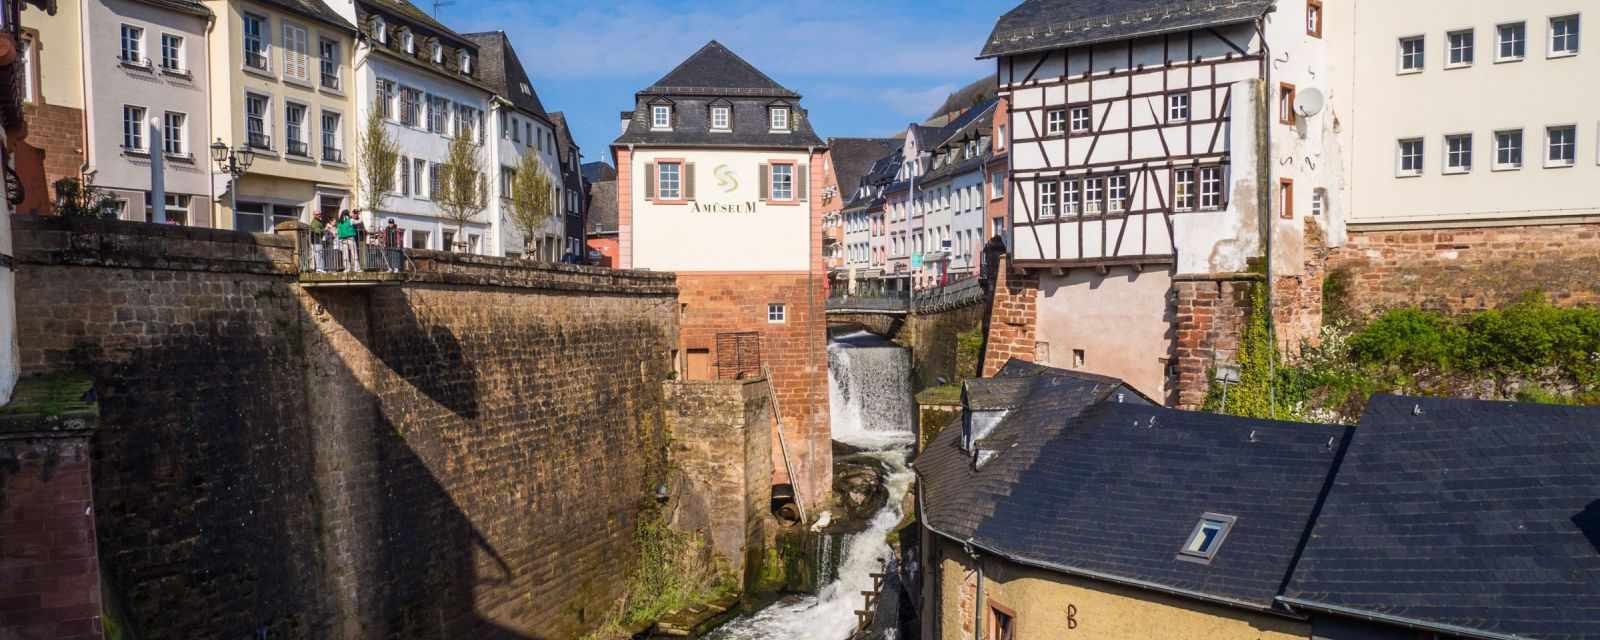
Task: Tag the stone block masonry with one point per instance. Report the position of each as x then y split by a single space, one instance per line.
1013 319
1210 315
1459 270
55 146
722 449
462 455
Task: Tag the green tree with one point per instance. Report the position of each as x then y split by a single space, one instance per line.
75 198
376 161
532 199
462 184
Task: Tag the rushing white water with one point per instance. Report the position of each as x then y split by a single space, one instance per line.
861 420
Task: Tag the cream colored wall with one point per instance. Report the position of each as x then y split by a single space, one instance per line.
59 49
1480 99
1119 320
230 82
675 237
1050 606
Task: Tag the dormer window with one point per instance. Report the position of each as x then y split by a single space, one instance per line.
1207 538
526 90
407 41
721 118
380 30
660 117
780 118
437 53
466 63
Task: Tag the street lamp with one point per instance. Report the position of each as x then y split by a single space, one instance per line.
233 162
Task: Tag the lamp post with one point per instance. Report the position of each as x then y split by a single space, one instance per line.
233 162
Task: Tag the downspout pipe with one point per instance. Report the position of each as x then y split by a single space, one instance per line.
977 608
1267 189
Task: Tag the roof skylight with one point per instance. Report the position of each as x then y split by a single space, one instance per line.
1207 538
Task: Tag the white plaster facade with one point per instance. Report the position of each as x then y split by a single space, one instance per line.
517 133
1530 93
722 224
166 84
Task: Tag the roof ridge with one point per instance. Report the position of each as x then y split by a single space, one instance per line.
715 47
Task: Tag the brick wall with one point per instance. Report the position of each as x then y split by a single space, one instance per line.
721 434
1209 314
460 456
795 351
53 150
1468 269
1297 299
49 576
1013 319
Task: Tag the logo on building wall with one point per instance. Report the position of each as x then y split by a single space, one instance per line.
726 179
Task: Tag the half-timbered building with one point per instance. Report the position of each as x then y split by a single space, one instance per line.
1144 146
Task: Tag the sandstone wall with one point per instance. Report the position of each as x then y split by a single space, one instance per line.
1209 318
1467 269
932 338
721 455
462 455
1013 318
49 578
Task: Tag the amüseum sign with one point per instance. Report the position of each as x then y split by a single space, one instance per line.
722 207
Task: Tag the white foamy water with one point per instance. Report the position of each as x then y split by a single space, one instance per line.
869 398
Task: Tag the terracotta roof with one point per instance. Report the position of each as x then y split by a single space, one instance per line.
1042 25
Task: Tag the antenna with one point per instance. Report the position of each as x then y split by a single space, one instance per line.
440 3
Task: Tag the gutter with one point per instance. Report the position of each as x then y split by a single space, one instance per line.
1104 577
1398 620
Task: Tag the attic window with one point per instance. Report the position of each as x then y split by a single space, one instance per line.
526 90
407 42
466 63
721 120
660 117
379 31
1207 538
437 53
780 118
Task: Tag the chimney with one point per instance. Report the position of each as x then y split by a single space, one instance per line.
627 117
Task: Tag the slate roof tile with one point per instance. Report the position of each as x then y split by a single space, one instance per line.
1040 25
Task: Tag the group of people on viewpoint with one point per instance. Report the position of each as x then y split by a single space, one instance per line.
345 236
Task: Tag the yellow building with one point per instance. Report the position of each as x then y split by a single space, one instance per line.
281 87
1066 504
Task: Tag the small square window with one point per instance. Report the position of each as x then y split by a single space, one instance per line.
1564 36
1511 42
1562 143
780 119
776 313
1080 119
1054 121
1460 54
660 117
1413 54
720 118
1178 107
1410 158
1508 149
1207 537
1458 153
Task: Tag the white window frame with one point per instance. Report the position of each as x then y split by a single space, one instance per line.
133 129
1401 147
673 189
132 48
323 63
1178 107
1514 34
1319 202
1501 138
1071 197
1087 121
1094 191
1550 146
1055 121
419 178
294 36
466 62
338 133
661 117
1116 192
263 40
1210 188
290 125
782 192
1403 57
1458 53
175 140
1575 36
1457 160
265 117
777 313
1183 189
1047 199
723 113
177 56
779 119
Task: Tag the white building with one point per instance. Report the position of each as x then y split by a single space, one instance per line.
953 230
427 80
519 126
1468 113
1135 148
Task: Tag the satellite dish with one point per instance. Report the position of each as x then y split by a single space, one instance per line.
1308 102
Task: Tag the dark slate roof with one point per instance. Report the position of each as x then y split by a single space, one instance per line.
732 82
853 158
716 71
1039 25
598 171
603 207
988 394
1479 519
315 9
400 13
1086 485
501 69
413 14
879 176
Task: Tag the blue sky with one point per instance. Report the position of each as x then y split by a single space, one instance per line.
865 68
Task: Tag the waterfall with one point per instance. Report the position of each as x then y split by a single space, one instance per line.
869 393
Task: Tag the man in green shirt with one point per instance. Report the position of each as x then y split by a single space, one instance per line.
347 242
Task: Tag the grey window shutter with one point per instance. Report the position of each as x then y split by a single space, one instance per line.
764 182
802 178
649 180
688 181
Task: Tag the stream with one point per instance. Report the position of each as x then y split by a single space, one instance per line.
869 398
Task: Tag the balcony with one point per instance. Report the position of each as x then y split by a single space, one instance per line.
260 141
331 154
298 148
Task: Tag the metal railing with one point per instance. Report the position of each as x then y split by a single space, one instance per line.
870 301
259 141
332 154
329 257
298 148
954 294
